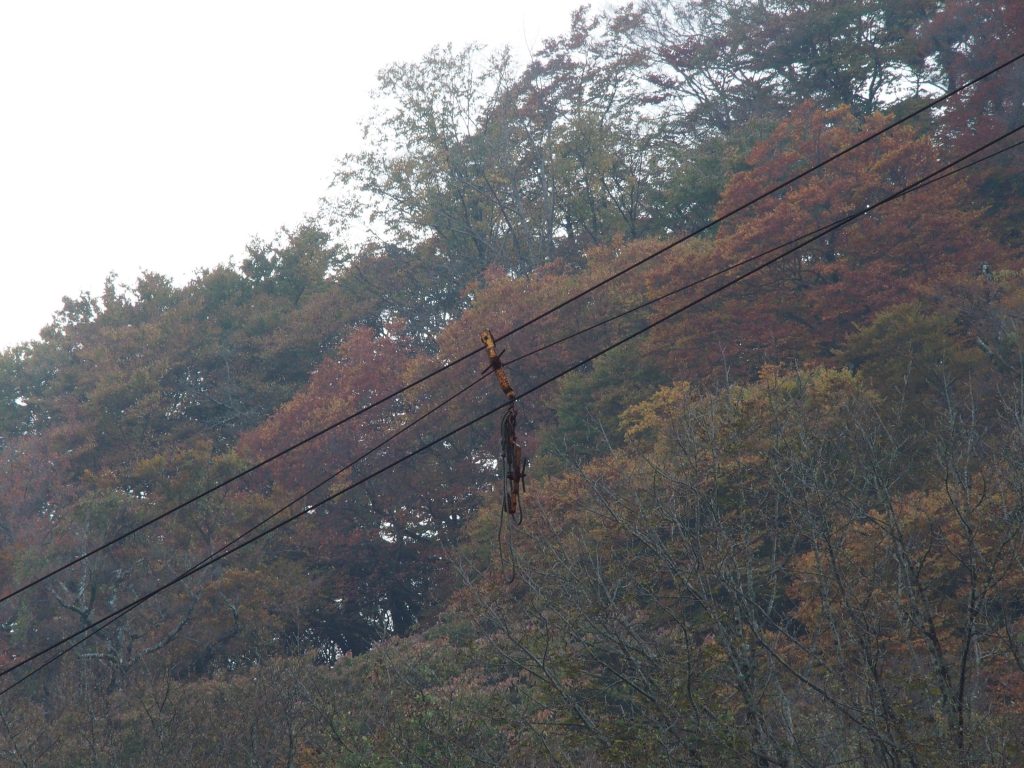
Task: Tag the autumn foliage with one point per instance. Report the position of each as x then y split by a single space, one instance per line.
784 528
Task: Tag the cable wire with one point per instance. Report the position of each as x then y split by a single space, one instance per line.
778 187
96 626
465 356
751 259
106 621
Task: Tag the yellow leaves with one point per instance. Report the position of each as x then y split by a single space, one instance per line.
651 416
742 422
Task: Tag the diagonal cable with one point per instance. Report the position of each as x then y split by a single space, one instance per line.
465 356
98 625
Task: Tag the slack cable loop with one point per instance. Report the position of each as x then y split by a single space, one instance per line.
512 464
513 479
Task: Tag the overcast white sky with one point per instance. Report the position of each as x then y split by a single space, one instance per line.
163 136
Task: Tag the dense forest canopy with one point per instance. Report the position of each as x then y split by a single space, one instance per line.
783 529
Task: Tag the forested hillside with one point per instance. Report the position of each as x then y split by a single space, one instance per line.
782 527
